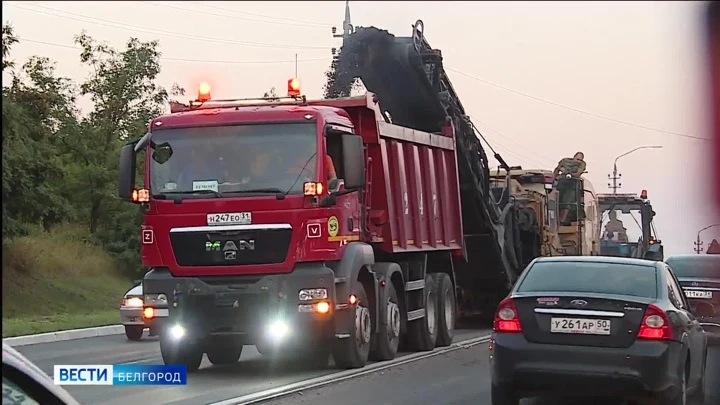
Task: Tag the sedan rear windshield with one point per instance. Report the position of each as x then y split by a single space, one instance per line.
591 277
696 267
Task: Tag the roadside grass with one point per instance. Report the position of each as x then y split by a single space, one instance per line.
58 280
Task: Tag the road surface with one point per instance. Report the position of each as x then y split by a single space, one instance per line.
458 377
465 381
211 384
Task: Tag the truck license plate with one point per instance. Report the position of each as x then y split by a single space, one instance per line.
231 218
698 294
580 326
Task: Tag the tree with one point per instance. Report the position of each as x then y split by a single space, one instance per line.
38 113
125 96
271 95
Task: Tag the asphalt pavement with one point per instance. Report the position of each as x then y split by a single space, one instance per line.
252 374
459 377
456 378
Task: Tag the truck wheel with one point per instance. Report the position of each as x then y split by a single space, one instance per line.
446 309
134 332
188 354
224 355
387 338
353 351
423 332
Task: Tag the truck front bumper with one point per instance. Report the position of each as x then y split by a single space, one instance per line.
251 309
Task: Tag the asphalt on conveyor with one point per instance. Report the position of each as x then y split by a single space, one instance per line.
459 377
252 374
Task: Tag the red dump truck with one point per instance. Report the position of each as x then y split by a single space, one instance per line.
314 228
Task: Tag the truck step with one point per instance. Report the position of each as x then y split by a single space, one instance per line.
416 314
415 285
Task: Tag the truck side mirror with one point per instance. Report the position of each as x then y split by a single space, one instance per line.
126 182
353 153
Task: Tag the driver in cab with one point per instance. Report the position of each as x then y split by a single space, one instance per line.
305 159
199 168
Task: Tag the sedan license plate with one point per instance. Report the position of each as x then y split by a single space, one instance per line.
231 218
580 326
698 294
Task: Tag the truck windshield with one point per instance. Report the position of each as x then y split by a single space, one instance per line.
230 160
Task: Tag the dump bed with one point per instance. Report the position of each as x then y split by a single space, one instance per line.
413 188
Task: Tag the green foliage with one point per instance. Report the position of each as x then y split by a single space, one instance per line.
61 166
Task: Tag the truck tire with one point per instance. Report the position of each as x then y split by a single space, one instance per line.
224 355
446 309
134 332
353 351
423 332
387 338
189 354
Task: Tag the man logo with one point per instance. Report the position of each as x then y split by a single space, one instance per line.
210 246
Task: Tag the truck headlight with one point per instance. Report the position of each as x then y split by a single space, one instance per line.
156 299
313 294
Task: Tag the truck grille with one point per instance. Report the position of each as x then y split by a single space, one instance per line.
228 248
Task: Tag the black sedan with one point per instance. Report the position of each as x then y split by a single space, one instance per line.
597 326
699 276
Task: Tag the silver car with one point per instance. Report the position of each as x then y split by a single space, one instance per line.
23 382
136 318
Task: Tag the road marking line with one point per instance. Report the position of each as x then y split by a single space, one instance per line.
316 382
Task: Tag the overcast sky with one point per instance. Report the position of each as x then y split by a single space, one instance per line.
541 80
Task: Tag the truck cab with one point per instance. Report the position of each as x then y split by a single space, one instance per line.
241 221
615 241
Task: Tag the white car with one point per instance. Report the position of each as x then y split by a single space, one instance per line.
136 318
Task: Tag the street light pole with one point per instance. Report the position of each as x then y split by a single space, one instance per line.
615 176
698 242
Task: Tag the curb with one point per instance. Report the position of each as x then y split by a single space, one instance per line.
65 335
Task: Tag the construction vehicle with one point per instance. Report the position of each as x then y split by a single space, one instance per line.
616 243
292 259
537 201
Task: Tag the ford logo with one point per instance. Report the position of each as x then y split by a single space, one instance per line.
578 303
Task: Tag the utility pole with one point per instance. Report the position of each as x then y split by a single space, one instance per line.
616 176
698 243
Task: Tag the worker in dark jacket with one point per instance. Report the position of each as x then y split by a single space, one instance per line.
570 188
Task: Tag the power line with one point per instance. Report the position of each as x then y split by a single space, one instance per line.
233 62
578 110
500 134
264 16
129 27
291 22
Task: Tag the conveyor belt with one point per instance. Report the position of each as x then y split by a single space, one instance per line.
408 77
